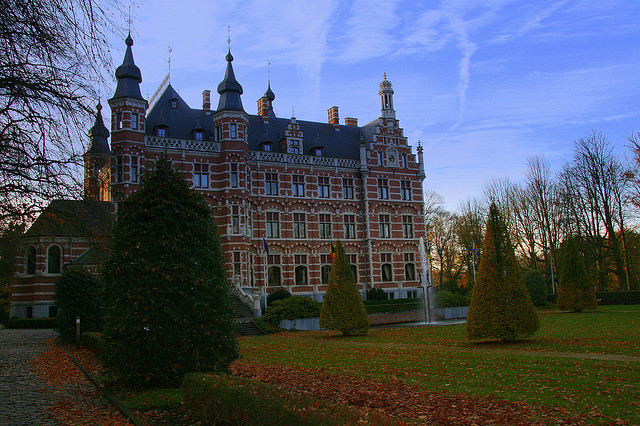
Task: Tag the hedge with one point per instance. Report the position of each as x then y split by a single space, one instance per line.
31 323
618 298
292 308
392 305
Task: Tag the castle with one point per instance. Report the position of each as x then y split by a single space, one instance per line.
281 190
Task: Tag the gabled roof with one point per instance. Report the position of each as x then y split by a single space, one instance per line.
74 218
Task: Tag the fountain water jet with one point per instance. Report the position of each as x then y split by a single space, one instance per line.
426 281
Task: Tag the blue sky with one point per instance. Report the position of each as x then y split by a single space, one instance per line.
482 84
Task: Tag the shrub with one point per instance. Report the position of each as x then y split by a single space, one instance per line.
31 323
392 305
78 294
293 307
342 308
534 281
447 299
575 293
500 305
94 342
279 294
618 298
376 294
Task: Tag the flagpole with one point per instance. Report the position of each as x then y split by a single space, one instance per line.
473 260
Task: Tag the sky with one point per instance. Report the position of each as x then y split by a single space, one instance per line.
483 85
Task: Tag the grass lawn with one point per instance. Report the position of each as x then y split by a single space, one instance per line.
552 369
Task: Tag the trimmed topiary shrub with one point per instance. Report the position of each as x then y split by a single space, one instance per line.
342 308
574 290
293 307
279 294
78 294
447 299
534 281
500 305
377 294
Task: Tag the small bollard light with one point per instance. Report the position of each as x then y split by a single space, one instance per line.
77 332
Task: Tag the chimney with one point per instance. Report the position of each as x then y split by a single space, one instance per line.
333 117
206 100
350 121
263 108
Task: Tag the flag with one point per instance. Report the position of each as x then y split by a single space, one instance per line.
266 247
332 252
474 249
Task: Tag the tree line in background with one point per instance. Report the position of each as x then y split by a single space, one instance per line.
594 199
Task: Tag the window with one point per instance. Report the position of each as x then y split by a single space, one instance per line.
317 151
31 260
299 225
294 146
409 267
235 219
385 259
325 225
323 187
134 121
348 191
349 226
405 190
118 120
412 294
273 272
237 264
353 260
266 146
407 226
298 185
233 132
117 165
383 189
273 225
325 273
234 175
385 226
161 132
403 161
300 270
54 260
134 169
198 135
218 132
173 103
200 175
271 183
379 158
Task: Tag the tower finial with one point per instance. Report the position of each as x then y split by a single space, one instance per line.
269 71
169 60
229 37
129 19
293 111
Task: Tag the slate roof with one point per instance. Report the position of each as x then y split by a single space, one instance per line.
128 75
97 254
74 218
98 135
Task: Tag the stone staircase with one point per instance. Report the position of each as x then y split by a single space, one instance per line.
243 319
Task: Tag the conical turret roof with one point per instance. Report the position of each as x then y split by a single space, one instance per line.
98 135
128 75
229 89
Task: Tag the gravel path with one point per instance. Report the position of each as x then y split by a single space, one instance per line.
23 399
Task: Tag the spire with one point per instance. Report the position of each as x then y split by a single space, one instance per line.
98 135
128 75
386 97
269 94
229 89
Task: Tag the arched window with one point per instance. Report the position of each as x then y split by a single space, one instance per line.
301 275
325 272
409 272
54 260
31 260
386 272
274 276
354 270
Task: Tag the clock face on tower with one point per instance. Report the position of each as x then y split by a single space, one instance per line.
392 159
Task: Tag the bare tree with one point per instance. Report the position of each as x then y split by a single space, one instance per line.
52 56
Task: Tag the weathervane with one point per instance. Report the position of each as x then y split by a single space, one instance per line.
269 71
229 37
169 60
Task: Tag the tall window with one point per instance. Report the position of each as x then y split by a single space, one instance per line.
235 219
348 191
383 189
325 225
325 273
233 131
118 169
218 132
405 190
273 272
385 226
271 183
118 120
323 187
134 169
300 269
134 121
200 175
237 264
407 226
54 260
294 146
385 260
273 225
353 261
299 225
31 260
403 161
234 175
349 226
380 158
409 267
298 185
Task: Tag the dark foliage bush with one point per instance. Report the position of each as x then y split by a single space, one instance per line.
575 292
168 310
31 323
94 342
78 294
279 294
447 299
500 305
376 294
392 305
534 281
618 298
293 307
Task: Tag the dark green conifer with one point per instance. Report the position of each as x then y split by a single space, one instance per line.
78 294
342 308
574 291
500 306
168 309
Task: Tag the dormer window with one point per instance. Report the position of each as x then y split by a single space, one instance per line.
266 146
161 131
173 103
198 135
294 146
317 151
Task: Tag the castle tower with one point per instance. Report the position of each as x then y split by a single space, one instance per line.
386 97
97 173
128 111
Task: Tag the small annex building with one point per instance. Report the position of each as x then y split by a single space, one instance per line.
281 190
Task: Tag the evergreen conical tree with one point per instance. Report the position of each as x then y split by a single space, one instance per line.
342 308
168 310
500 305
574 291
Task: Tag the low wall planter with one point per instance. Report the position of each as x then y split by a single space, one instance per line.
452 313
301 324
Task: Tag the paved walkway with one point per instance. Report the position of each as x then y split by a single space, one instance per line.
23 400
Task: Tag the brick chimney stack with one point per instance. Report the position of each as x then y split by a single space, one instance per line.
350 121
263 108
206 100
334 118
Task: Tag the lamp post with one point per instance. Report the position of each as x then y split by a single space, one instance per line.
440 255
